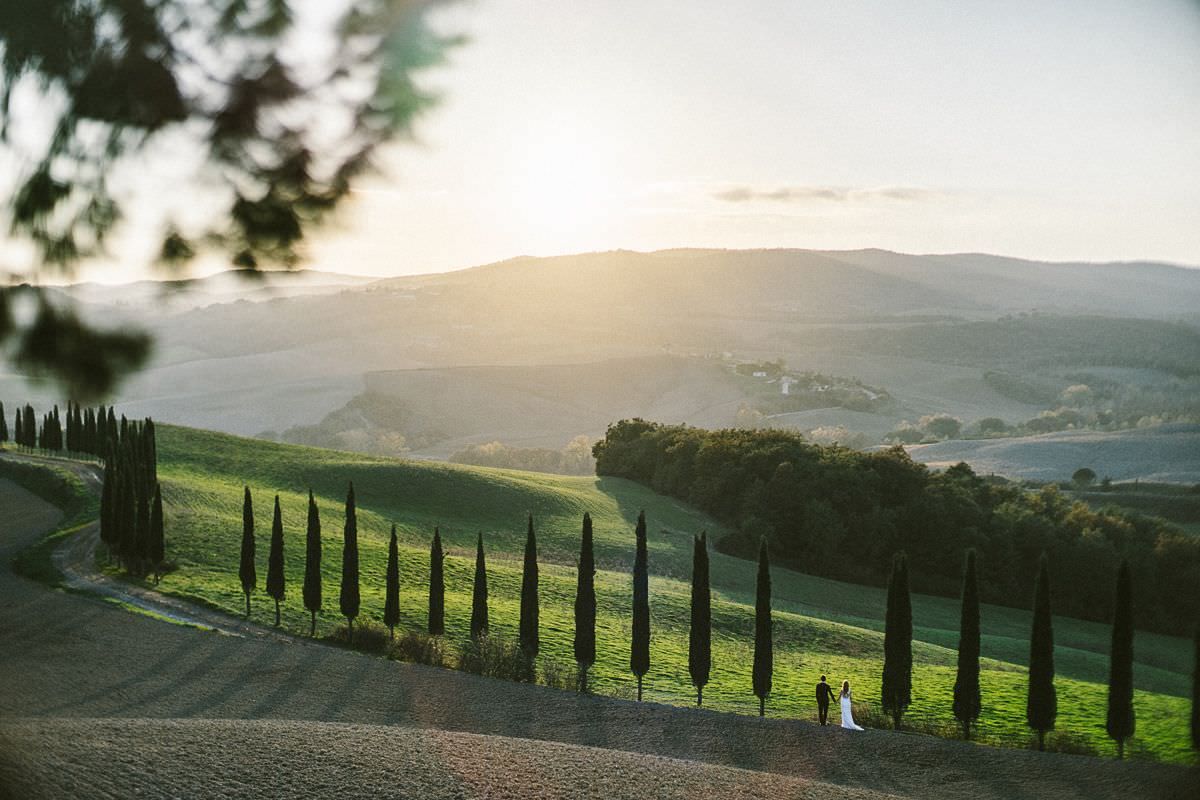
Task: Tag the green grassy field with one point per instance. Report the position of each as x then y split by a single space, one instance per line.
821 626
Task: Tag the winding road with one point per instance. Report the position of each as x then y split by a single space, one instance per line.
96 701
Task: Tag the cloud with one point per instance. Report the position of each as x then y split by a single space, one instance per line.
825 194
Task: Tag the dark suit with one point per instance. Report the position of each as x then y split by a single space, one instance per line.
823 695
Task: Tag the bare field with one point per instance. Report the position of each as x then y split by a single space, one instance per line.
98 702
1164 454
52 758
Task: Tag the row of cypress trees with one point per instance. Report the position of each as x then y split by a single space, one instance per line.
1041 706
84 431
584 644
896 687
131 510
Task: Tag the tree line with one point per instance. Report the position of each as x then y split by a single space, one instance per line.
131 509
841 514
896 684
83 431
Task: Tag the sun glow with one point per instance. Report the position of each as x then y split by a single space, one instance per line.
563 182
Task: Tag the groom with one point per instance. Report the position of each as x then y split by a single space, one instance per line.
823 695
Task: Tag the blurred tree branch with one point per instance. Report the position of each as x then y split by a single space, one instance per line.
284 102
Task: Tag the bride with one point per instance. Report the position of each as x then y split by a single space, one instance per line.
847 713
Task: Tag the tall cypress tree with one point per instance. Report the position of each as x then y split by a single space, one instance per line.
246 572
151 452
128 512
479 594
312 564
700 632
528 632
275 580
18 429
391 593
896 692
158 544
144 535
437 586
29 427
1041 706
108 529
1120 724
764 655
967 700
585 604
639 652
349 599
3 425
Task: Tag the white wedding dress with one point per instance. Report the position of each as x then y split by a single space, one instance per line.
848 715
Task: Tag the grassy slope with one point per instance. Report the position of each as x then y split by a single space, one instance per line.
821 626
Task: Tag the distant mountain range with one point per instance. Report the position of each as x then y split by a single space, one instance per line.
303 348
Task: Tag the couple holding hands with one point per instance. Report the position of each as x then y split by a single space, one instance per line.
824 692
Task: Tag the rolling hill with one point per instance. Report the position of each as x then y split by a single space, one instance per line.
821 626
464 353
1166 453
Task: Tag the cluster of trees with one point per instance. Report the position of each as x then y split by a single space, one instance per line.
896 685
131 510
86 431
573 459
841 514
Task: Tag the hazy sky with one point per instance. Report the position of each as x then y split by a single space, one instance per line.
1050 129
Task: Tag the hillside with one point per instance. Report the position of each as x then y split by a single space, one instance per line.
178 711
1167 453
821 626
537 351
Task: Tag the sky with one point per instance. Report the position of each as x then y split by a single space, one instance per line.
1055 130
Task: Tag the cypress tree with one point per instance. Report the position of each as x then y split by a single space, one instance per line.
527 634
967 700
349 599
1041 706
107 528
144 545
128 512
275 578
764 656
700 632
639 653
158 544
437 587
479 594
3 425
896 692
391 600
151 452
585 604
89 432
18 429
1120 724
246 572
29 426
312 564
